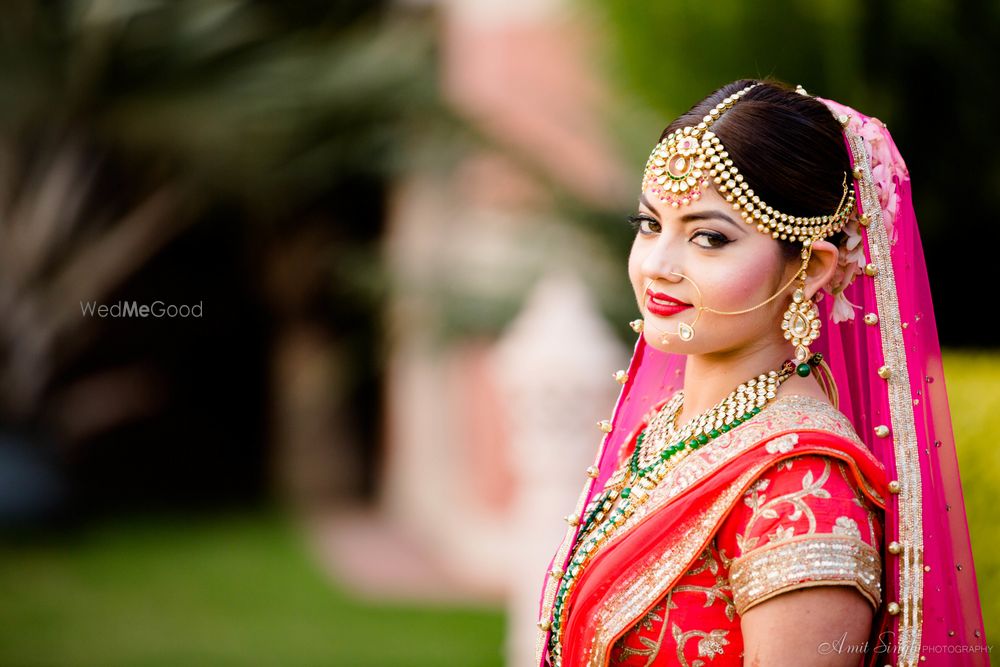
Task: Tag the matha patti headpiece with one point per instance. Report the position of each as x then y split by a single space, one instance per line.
690 159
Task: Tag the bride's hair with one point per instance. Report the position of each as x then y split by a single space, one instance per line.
788 146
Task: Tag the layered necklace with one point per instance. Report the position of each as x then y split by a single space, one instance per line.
659 448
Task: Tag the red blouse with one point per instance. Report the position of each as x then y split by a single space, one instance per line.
804 522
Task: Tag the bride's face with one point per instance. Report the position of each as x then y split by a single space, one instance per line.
734 265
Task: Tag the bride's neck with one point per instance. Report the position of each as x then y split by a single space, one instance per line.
710 378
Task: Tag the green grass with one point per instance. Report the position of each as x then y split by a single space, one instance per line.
974 394
225 591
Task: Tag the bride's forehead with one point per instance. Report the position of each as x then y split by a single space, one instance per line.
709 199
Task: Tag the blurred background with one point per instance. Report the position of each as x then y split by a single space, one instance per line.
348 428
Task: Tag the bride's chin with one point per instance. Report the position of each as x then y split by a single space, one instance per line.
661 341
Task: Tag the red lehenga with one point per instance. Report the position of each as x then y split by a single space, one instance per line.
788 499
811 518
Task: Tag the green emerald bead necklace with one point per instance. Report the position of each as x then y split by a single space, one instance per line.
659 447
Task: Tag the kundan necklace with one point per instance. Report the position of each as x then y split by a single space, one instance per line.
659 447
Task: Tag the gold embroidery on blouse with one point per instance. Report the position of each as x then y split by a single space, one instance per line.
727 562
717 591
704 562
651 648
710 645
800 563
783 444
845 525
761 508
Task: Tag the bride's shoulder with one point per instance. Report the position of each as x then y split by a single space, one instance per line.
810 412
797 417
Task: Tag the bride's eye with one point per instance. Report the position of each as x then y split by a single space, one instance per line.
716 239
644 224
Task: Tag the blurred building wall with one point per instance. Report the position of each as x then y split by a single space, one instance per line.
487 441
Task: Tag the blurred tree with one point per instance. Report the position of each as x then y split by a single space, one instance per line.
225 150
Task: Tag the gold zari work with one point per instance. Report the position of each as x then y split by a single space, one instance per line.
784 566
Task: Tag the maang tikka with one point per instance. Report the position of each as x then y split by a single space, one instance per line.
691 159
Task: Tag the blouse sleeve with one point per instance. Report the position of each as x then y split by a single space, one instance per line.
803 523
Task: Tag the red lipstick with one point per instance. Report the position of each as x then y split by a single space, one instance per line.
663 305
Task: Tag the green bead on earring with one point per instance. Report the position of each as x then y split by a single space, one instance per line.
807 366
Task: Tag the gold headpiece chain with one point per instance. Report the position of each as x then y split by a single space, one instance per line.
688 160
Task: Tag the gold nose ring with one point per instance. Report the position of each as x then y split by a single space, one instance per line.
684 331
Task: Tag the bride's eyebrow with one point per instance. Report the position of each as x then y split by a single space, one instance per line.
706 215
698 215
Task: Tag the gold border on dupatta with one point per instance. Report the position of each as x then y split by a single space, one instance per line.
911 576
552 583
562 553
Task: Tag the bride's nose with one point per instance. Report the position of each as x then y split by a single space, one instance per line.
663 261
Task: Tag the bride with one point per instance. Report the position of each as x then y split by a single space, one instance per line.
777 484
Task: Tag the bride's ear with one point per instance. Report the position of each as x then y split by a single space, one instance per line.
822 266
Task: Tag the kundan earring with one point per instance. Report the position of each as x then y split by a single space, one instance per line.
801 326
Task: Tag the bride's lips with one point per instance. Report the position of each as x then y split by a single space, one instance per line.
660 304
